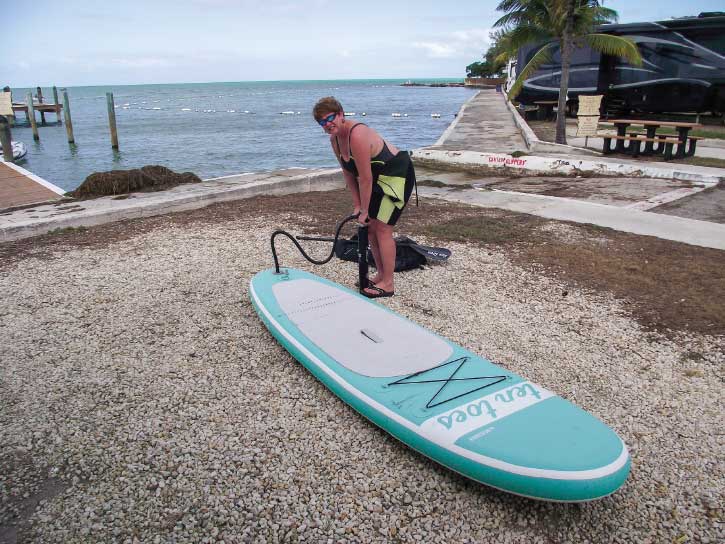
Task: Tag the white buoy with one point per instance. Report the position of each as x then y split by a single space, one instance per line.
364 114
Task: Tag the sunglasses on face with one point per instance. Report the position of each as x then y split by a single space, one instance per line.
329 119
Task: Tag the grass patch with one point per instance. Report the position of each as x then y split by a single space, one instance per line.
440 184
666 285
431 183
67 230
519 154
703 161
485 229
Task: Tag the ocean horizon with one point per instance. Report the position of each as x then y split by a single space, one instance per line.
226 128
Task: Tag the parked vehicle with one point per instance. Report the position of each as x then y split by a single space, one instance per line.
683 68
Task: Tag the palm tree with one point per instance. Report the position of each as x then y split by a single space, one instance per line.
566 23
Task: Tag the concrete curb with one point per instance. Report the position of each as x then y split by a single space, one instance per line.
452 126
563 166
528 135
537 145
88 213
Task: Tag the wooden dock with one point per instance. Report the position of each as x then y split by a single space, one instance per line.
18 188
40 107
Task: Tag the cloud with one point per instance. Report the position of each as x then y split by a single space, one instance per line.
141 62
460 43
437 50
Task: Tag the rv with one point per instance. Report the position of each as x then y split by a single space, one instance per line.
683 69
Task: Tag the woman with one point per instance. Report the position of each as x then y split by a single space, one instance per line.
380 179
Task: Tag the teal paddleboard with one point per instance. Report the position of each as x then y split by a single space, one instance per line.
453 406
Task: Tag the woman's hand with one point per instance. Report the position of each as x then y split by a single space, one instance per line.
363 218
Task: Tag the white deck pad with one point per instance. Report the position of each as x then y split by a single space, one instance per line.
363 337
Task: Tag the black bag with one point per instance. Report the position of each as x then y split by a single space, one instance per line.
408 253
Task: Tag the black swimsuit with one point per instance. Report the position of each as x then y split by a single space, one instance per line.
393 181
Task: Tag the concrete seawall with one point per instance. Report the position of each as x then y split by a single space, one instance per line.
38 220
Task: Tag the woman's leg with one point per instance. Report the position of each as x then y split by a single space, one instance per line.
383 247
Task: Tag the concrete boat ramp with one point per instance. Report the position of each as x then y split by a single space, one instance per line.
488 157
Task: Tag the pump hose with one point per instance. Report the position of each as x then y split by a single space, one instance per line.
305 255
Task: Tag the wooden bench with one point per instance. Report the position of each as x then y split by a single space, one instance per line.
688 152
635 142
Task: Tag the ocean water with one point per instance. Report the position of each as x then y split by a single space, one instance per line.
218 129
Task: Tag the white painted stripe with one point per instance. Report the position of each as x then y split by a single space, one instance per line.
592 474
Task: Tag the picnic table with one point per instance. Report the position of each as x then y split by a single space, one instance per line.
665 143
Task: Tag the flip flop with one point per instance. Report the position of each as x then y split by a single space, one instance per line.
379 293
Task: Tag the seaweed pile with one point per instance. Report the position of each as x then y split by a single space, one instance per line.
120 182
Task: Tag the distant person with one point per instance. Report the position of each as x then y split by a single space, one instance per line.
380 179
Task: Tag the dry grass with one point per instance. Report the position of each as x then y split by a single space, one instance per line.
667 286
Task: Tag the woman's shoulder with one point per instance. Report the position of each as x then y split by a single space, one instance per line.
360 132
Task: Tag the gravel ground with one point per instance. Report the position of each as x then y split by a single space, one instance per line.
142 400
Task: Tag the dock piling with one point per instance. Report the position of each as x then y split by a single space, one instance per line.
57 104
66 113
31 117
112 120
6 139
39 92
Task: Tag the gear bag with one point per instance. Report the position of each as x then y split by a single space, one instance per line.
408 253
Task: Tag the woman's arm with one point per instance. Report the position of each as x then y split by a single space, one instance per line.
350 180
361 141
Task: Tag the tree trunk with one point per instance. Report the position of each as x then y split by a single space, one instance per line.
566 47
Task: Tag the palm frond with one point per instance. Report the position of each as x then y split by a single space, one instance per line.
616 46
525 35
501 59
541 57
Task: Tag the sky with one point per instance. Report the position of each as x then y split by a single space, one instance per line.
73 42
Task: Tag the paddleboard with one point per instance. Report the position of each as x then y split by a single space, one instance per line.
449 404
